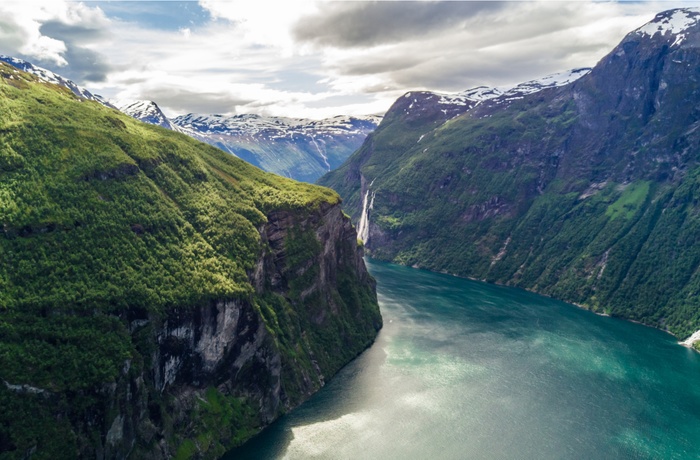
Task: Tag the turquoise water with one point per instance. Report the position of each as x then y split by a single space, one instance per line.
464 370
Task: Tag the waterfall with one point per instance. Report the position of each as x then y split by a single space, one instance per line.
367 205
323 155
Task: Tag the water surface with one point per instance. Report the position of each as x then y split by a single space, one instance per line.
465 370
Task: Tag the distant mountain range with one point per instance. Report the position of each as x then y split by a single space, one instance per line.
583 186
298 148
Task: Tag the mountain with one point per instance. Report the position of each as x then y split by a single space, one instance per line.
53 78
299 148
146 111
588 192
159 298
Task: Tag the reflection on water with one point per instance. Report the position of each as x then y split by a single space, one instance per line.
468 370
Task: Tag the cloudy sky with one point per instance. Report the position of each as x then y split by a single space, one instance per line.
309 58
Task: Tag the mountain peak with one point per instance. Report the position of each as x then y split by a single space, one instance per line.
672 23
146 111
420 106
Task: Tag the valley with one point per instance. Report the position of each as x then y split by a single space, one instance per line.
178 287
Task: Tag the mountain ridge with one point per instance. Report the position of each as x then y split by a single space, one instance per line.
302 149
52 77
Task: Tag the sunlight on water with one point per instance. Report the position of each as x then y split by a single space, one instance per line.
434 368
320 439
466 370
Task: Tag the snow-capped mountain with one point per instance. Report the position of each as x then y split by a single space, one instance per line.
443 106
146 111
51 77
674 23
299 148
274 127
485 93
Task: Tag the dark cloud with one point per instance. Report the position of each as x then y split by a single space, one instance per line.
393 63
133 80
181 100
493 48
73 33
360 24
84 64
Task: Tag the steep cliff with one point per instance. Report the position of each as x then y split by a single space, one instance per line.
587 192
159 298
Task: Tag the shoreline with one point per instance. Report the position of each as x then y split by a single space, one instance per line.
688 343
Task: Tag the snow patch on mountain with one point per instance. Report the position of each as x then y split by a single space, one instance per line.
470 96
474 96
550 81
275 127
146 111
675 22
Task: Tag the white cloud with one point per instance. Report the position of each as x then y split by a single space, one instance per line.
263 22
211 62
21 22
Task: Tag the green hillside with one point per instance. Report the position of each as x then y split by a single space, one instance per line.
106 220
588 192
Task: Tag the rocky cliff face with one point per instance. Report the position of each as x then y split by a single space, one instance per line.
586 191
227 353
